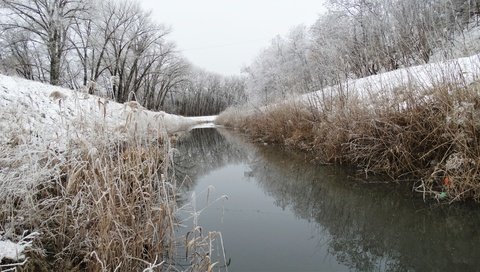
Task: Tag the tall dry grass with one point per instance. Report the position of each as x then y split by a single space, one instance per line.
426 136
100 199
105 211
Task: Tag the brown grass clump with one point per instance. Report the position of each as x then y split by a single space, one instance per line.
111 208
57 95
108 209
110 205
430 138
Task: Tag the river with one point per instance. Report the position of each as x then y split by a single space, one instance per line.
277 211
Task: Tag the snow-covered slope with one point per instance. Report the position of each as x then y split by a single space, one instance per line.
464 70
45 107
38 119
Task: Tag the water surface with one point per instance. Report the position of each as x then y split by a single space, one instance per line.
285 214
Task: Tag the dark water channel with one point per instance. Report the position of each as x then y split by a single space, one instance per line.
285 214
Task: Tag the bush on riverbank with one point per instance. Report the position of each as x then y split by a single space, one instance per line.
429 136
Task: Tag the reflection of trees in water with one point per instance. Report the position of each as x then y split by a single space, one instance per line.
202 151
371 228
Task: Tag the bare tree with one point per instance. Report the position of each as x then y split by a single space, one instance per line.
130 48
120 44
205 93
357 38
48 21
168 76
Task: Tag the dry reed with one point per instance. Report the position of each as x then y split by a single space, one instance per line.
427 136
107 201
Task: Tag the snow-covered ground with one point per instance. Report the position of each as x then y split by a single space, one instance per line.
14 251
464 70
40 124
47 106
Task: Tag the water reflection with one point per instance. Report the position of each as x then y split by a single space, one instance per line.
364 227
201 151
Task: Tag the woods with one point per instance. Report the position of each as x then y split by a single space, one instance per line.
358 38
109 48
116 49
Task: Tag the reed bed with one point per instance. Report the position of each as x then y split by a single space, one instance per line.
427 136
93 197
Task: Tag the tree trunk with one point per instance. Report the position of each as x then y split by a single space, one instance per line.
55 57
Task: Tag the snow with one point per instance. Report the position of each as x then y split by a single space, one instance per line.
205 125
204 119
15 251
45 107
465 70
38 122
12 251
48 117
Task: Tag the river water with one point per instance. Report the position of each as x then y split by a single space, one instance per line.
283 213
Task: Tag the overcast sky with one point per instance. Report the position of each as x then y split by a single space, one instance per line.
224 35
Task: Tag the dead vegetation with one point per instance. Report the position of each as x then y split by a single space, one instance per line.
428 136
111 207
96 199
106 210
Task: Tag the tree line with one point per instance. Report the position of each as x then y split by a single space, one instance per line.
110 47
358 38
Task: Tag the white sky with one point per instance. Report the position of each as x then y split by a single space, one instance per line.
224 35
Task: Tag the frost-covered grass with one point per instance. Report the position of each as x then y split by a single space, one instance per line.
86 184
421 127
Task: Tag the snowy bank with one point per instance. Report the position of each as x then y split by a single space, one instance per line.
417 125
464 70
78 168
39 122
48 105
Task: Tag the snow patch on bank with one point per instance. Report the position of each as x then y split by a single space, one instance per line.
15 251
464 70
12 251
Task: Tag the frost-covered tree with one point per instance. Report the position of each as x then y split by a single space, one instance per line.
110 47
330 49
357 38
122 49
47 23
132 45
205 93
167 76
17 55
282 69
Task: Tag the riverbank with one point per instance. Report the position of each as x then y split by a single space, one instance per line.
421 127
86 183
